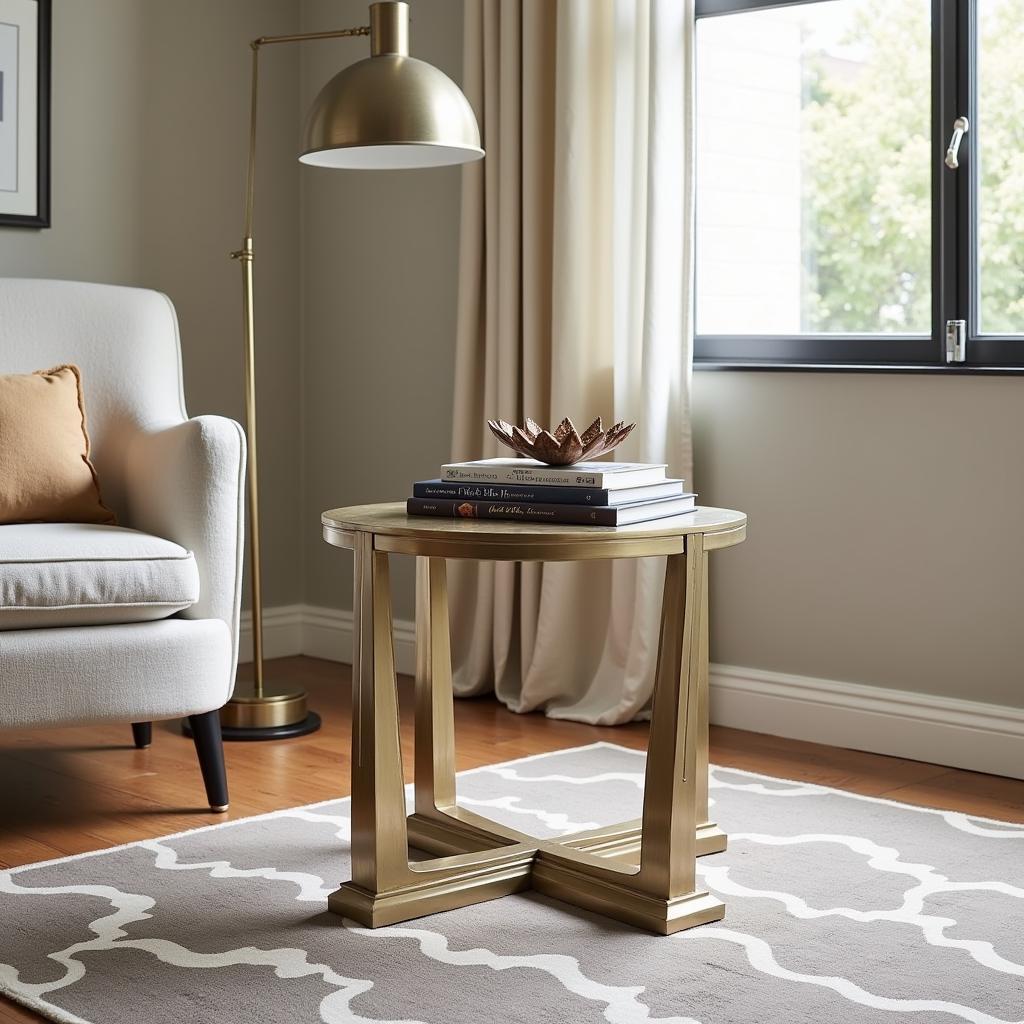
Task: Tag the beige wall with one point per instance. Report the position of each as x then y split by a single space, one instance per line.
883 547
150 107
884 542
97 118
150 128
379 258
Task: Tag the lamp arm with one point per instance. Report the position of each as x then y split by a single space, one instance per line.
245 257
256 45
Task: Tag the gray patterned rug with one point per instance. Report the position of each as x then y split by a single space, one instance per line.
840 908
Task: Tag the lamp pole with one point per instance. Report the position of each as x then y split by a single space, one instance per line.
262 713
388 110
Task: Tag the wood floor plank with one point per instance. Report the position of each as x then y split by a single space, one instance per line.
854 770
11 1013
954 790
69 791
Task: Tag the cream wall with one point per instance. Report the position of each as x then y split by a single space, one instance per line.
150 108
885 545
379 258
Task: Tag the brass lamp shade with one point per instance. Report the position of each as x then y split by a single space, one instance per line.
390 110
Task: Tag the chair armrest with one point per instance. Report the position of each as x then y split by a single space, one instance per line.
186 483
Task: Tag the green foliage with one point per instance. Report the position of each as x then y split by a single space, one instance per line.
867 173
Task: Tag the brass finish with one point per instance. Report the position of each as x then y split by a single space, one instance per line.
401 102
263 709
538 553
710 838
385 884
641 872
255 566
392 101
390 109
498 540
305 37
389 29
721 527
239 713
244 716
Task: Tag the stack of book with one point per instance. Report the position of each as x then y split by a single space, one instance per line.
587 494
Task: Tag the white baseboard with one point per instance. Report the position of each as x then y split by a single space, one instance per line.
283 629
328 634
320 633
918 726
921 727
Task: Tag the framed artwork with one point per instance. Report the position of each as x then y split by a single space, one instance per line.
25 113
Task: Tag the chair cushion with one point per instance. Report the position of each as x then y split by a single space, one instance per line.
79 574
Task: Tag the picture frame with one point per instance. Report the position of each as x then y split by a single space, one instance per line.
25 48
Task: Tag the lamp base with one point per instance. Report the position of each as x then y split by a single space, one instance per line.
274 732
276 714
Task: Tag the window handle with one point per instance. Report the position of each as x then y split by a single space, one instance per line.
956 341
960 129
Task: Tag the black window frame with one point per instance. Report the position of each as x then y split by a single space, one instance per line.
954 269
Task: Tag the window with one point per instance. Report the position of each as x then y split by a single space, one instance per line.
829 229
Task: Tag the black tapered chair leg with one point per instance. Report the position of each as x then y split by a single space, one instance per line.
210 748
142 733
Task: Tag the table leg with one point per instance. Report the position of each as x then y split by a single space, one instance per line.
379 842
385 886
710 838
661 894
625 843
435 714
482 859
438 824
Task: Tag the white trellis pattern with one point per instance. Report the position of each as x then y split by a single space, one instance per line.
840 907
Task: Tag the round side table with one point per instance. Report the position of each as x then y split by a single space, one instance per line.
642 872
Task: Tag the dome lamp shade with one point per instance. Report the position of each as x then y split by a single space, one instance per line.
390 110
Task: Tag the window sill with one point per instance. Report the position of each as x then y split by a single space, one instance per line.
937 368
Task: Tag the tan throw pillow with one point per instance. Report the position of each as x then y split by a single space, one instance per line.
45 472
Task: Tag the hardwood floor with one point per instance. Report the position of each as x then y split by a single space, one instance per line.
72 790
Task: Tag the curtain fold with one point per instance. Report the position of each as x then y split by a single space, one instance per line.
574 299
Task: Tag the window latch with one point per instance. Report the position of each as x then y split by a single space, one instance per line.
956 341
960 128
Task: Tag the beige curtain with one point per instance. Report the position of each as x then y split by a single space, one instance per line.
574 299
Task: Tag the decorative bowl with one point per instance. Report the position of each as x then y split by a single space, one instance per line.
564 446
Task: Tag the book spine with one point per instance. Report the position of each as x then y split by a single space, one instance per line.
511 475
525 512
512 492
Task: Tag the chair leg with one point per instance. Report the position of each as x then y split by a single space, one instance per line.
142 733
209 747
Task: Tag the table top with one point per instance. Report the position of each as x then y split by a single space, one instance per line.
394 530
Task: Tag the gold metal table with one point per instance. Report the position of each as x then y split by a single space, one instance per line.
643 871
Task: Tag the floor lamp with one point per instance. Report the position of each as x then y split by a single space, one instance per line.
386 111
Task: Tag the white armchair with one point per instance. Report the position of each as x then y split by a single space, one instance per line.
137 622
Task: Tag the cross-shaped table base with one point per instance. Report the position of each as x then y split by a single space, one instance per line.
642 872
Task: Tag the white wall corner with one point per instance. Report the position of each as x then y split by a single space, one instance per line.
921 727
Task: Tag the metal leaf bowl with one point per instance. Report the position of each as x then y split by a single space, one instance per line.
563 446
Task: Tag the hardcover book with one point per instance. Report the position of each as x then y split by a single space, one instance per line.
609 475
539 512
550 493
